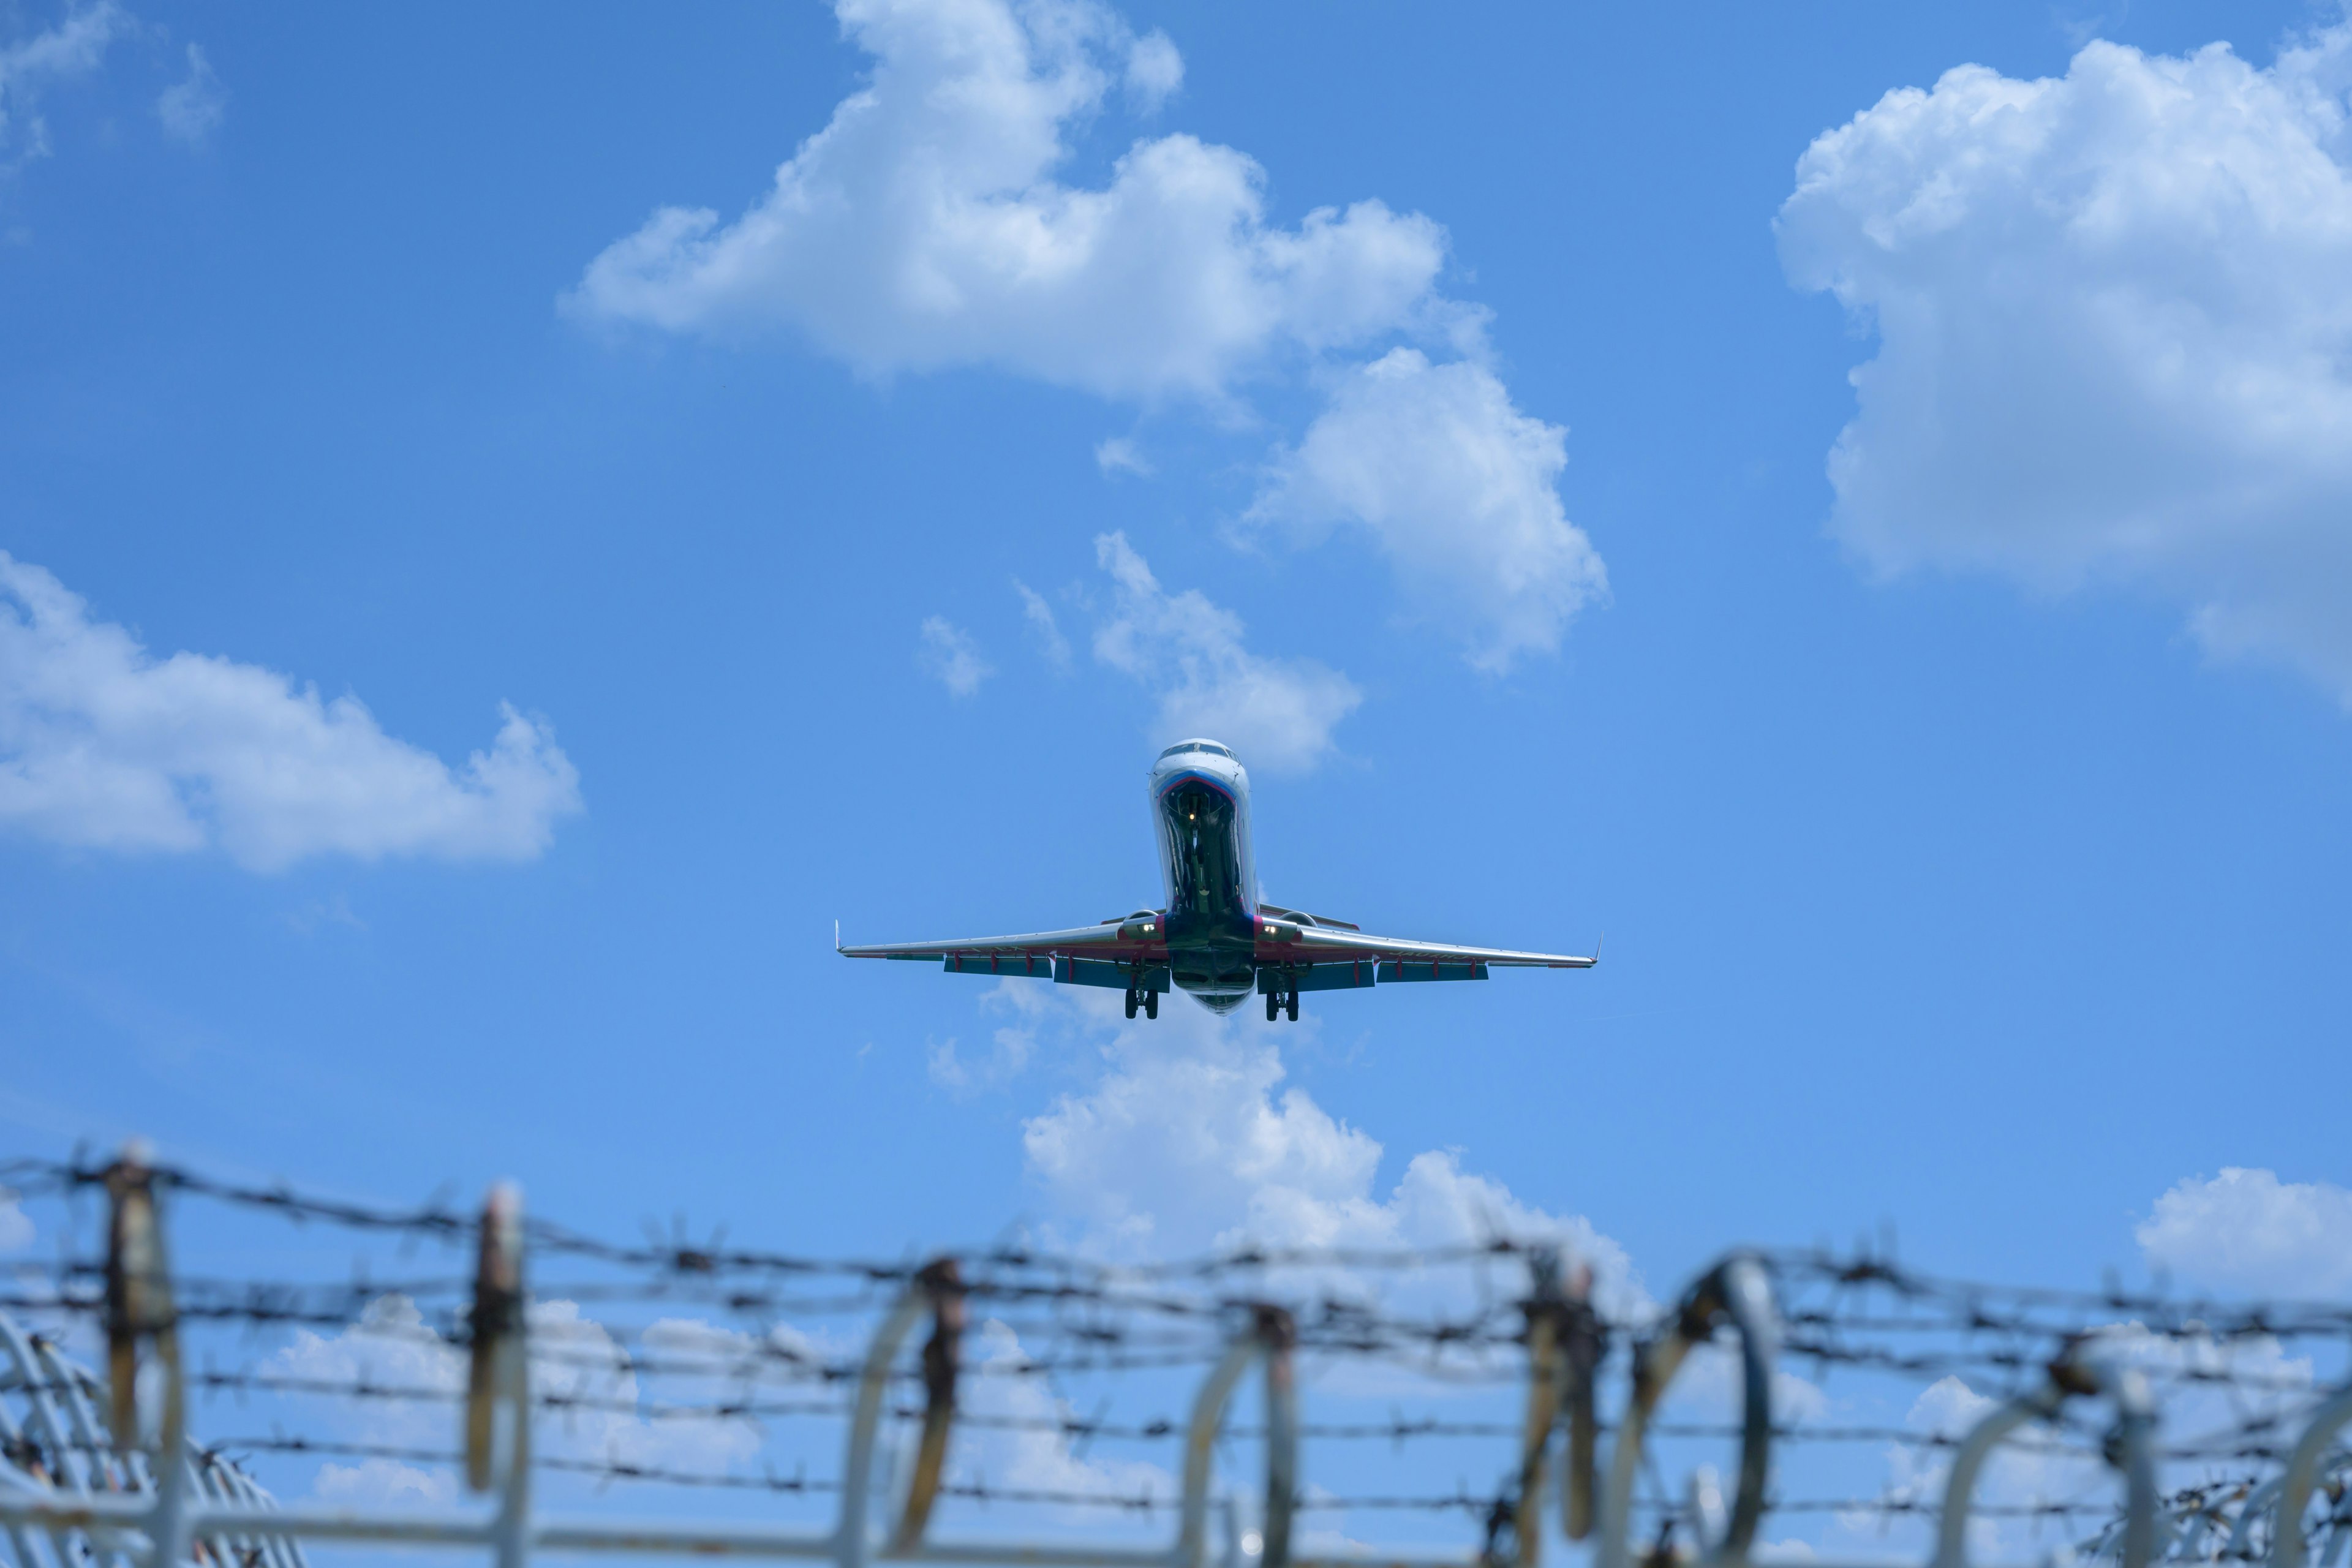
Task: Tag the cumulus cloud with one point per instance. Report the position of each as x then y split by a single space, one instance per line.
574 1357
190 107
924 226
950 658
2247 1230
1456 487
72 49
1275 712
1190 1139
1031 1457
103 745
2208 1385
2113 314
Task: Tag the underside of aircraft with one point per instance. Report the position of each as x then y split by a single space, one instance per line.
1213 937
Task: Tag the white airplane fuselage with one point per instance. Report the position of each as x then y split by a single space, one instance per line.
1200 808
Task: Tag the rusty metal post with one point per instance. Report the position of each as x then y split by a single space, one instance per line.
1546 1364
942 1282
498 1376
1585 1345
854 1539
139 1307
1737 1290
1277 1335
2070 1374
496 1320
1200 1446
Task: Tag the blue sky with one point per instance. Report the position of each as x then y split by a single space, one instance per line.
1963 811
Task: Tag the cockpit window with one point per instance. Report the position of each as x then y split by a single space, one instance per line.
1198 746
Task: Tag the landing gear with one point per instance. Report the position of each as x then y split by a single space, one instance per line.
1290 1007
1151 1004
1282 1004
1146 1000
1273 1005
1130 1001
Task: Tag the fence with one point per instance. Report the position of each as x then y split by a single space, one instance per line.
1577 1378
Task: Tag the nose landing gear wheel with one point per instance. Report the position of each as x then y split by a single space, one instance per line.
1290 1007
1151 1004
1130 1002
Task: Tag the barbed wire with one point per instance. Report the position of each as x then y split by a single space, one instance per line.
1069 1319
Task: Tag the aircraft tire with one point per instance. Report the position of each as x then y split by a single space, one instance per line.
1130 1003
1151 1004
1291 1008
1273 1005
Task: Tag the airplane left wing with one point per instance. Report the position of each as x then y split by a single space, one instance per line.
1281 942
1033 953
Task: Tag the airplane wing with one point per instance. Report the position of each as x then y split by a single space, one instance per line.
1133 941
1281 942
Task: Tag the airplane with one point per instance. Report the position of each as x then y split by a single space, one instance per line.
1215 939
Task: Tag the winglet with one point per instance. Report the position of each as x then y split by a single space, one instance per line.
1596 948
836 936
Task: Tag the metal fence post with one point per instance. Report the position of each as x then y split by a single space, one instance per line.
1277 1336
1200 1448
1738 1290
1547 1357
1586 1344
2070 1374
853 1540
499 1376
139 1307
2287 1547
942 1282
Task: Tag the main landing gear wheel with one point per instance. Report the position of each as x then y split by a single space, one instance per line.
1290 1007
1273 1005
1151 1004
1130 1002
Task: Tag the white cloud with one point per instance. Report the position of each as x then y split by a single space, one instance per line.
1036 1461
1009 1052
16 1225
2114 313
2207 1385
1042 624
1191 1140
924 227
383 1483
190 108
1457 488
2245 1229
1154 70
1278 713
1120 454
573 1358
950 657
102 745
72 49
